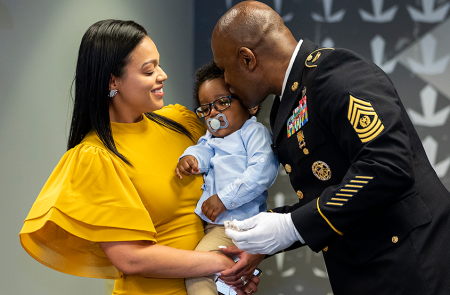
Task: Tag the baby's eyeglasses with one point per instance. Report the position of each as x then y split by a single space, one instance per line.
220 104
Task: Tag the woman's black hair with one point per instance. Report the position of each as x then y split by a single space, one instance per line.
208 72
105 50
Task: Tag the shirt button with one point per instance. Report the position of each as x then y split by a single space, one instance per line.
232 204
394 239
288 168
325 249
300 194
262 160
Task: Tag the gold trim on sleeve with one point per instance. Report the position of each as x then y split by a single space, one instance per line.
339 199
329 223
358 181
345 194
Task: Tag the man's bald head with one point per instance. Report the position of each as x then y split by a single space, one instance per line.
249 24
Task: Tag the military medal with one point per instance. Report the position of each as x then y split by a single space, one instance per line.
301 142
299 116
321 170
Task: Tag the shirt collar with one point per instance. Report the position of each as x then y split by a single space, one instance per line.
291 62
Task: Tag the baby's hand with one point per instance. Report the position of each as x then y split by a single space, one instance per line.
187 165
212 207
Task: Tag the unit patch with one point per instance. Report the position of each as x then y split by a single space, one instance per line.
345 194
321 170
298 119
364 119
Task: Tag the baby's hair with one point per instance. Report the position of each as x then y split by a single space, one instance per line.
208 72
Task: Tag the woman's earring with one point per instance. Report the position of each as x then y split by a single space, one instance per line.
112 93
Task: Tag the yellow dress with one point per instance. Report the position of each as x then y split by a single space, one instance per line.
92 196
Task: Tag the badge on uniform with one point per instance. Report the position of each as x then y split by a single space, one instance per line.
364 119
299 117
321 170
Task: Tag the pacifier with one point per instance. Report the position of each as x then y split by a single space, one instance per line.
215 124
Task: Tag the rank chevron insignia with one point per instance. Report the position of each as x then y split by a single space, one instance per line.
364 119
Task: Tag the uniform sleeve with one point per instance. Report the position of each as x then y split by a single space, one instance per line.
186 118
261 172
87 199
357 102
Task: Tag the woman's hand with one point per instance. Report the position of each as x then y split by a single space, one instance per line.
187 165
243 268
212 207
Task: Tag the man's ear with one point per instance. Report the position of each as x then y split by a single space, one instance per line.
247 58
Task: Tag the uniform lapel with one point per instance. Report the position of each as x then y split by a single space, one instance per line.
289 96
274 111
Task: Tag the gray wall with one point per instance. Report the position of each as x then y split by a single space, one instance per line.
39 42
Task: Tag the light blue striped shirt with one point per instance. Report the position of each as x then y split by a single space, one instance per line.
239 168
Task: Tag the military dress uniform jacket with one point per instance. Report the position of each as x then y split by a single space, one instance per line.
368 196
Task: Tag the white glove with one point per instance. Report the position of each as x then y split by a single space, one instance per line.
265 233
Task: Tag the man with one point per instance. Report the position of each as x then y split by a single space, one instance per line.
368 197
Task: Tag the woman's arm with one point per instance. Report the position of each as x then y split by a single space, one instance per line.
143 258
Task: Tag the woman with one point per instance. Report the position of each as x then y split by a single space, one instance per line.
113 207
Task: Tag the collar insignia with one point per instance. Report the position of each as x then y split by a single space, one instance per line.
314 57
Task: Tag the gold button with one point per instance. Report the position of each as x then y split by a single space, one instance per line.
305 151
294 86
325 249
394 239
300 194
288 168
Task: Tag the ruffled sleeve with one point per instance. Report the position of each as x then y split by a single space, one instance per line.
87 199
186 118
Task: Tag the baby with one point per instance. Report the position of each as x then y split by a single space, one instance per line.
236 160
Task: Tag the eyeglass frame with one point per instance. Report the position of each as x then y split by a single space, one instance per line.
213 104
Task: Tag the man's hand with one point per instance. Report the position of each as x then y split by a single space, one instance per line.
212 207
187 165
249 288
265 233
243 268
